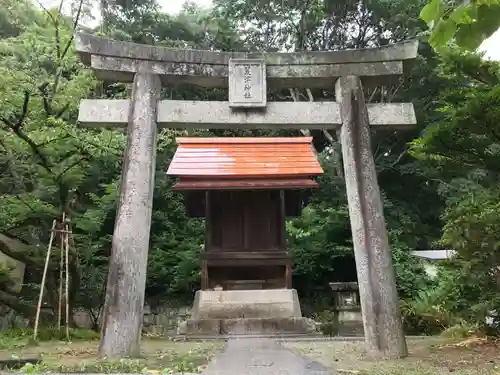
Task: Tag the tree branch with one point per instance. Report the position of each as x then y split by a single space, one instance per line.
59 114
45 98
46 11
372 94
391 97
66 136
399 158
74 164
25 309
18 197
12 167
44 162
328 136
24 110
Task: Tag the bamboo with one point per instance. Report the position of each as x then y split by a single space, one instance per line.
67 280
59 307
44 276
62 231
61 275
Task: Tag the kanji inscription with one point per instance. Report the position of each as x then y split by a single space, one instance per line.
247 83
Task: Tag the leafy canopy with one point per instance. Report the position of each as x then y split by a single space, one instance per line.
468 22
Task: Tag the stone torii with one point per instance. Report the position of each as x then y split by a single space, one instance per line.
248 75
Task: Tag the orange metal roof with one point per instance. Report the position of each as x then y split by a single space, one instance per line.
243 158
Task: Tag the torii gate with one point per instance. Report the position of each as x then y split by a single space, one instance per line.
248 75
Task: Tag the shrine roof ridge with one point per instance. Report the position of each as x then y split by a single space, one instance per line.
243 140
88 45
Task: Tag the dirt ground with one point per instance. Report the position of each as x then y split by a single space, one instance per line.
429 356
158 356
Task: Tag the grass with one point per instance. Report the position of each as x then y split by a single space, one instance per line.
80 355
21 337
428 356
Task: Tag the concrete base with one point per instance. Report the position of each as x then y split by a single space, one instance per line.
247 326
350 322
351 328
239 312
234 304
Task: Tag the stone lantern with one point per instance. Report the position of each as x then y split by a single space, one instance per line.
347 308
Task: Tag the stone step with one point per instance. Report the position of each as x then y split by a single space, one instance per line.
278 337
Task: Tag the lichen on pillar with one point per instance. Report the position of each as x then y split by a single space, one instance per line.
123 309
382 323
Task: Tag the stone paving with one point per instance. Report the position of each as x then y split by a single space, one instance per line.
252 356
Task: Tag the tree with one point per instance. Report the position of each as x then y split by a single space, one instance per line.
461 152
468 22
44 158
49 166
15 16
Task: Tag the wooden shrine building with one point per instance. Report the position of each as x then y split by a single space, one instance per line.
245 188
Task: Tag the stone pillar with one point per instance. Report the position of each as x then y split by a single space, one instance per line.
123 309
382 323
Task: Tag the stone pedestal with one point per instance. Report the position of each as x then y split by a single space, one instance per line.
240 312
348 308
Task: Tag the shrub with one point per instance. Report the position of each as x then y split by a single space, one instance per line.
426 315
461 330
329 322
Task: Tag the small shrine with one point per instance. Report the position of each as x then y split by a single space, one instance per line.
245 188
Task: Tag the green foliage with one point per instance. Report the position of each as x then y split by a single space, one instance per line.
461 153
320 25
49 166
49 334
426 314
460 330
439 182
19 337
457 303
167 360
15 16
181 364
472 229
313 238
410 273
469 23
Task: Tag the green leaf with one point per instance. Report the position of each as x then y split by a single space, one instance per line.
469 22
470 36
463 14
442 33
432 12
